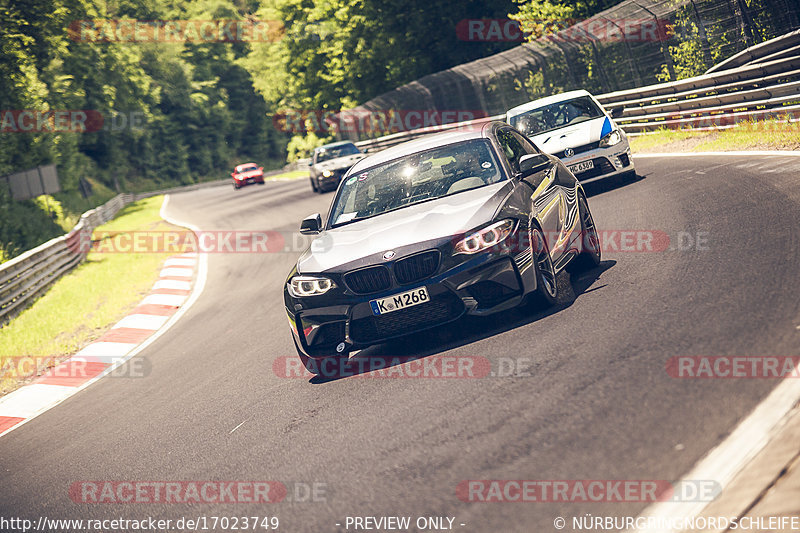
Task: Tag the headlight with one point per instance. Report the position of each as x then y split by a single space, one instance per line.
486 237
300 286
327 173
611 139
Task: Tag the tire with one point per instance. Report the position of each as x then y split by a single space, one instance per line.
235 187
590 254
546 293
313 184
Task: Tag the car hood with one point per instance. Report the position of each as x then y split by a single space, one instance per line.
340 162
556 141
364 242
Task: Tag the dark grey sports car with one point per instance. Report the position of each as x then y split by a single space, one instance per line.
419 234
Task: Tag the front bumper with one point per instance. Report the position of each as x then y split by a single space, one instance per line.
485 284
247 181
332 181
610 161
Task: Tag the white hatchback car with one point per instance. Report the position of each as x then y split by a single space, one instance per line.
574 127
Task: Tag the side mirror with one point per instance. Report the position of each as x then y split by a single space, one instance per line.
261 169
311 162
617 112
531 163
311 225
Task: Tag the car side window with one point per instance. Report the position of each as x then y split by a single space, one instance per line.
512 148
528 148
527 145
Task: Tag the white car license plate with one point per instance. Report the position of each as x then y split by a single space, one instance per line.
399 301
582 166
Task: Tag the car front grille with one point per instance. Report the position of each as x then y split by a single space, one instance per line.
586 147
443 308
368 280
416 267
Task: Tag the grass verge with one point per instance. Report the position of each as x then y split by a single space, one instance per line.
83 304
291 175
768 135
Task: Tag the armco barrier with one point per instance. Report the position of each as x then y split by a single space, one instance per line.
27 276
760 84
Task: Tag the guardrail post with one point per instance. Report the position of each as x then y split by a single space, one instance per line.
746 22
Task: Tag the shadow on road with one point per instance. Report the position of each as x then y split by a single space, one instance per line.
466 330
604 185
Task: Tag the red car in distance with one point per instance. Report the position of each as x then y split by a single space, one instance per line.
247 173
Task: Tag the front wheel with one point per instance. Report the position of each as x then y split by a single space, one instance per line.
546 293
313 185
589 256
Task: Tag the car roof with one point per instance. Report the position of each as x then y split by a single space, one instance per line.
424 143
332 145
545 101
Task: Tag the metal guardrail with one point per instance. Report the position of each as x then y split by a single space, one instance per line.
762 51
27 276
762 86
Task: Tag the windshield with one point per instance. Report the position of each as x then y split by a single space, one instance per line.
247 168
324 154
557 115
416 178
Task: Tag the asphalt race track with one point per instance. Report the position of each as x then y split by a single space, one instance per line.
598 403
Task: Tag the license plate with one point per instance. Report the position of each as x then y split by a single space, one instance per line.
399 301
582 166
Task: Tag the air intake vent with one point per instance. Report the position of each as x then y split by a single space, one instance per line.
368 280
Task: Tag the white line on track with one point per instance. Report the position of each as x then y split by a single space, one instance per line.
715 154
